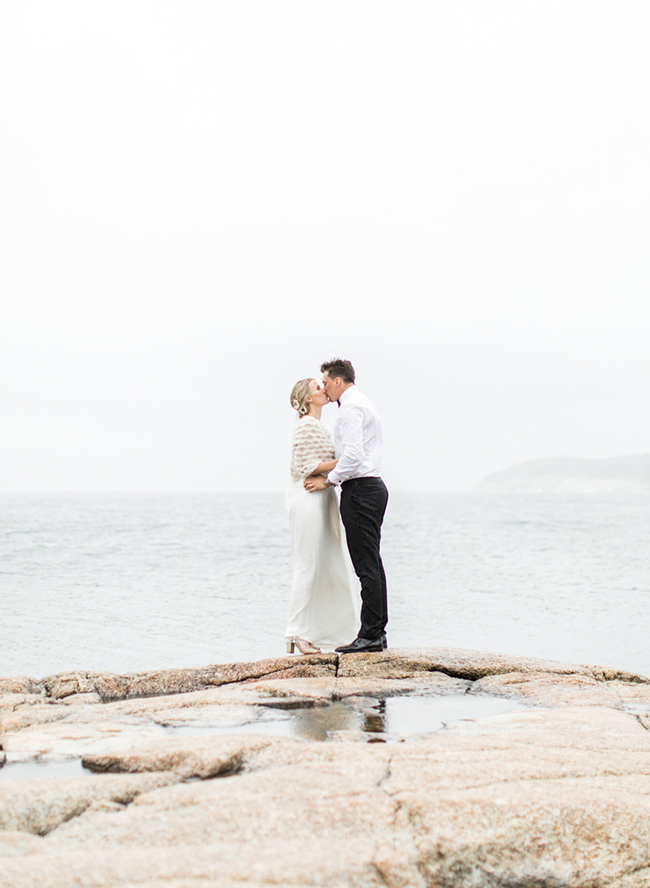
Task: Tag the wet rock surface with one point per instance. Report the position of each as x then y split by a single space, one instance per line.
190 786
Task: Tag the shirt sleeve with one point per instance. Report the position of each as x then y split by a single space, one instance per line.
305 450
350 430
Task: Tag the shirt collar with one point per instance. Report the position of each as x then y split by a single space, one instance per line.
346 394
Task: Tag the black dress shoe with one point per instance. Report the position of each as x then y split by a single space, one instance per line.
363 646
384 641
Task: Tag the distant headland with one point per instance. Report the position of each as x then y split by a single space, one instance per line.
573 475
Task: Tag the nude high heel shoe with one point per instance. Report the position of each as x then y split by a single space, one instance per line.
305 647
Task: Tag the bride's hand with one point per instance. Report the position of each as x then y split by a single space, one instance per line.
314 483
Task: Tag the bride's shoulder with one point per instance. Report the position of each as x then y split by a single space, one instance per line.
308 425
305 424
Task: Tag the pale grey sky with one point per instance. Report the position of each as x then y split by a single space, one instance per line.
202 201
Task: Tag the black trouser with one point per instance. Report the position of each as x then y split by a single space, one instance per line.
363 504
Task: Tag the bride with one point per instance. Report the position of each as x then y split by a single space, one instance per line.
322 613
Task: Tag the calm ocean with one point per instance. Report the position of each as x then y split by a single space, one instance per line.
138 581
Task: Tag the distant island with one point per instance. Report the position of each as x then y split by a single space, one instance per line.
622 473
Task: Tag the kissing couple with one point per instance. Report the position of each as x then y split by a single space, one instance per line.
323 614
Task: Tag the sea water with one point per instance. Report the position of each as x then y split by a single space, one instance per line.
125 582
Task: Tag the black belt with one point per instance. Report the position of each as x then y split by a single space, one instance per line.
362 481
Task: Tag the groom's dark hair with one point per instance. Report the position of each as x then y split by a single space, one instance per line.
338 367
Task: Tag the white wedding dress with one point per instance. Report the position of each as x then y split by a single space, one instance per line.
324 596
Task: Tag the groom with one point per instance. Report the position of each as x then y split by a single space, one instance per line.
358 443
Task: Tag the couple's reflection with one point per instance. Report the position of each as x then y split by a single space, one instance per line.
318 722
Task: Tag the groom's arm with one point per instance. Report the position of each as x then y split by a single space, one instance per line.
350 430
350 434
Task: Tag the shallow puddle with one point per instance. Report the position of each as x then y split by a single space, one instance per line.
391 719
404 716
426 715
70 767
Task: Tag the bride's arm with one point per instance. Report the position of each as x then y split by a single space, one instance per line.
324 467
310 444
307 449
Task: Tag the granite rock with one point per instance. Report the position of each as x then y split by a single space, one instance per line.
15 843
40 806
26 713
191 757
82 699
547 689
454 662
176 681
70 737
21 684
556 795
67 683
9 702
540 797
404 664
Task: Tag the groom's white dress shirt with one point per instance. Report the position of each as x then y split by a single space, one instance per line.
358 439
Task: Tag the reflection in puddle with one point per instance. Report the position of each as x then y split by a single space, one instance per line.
318 723
392 719
374 718
308 722
398 716
404 716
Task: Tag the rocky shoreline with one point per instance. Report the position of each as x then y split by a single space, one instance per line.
554 794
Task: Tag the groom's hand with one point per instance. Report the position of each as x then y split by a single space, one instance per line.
314 482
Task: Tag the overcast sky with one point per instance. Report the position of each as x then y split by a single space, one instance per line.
201 201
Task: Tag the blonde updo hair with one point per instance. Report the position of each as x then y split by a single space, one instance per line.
300 394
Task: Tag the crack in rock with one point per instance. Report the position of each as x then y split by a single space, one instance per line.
39 807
